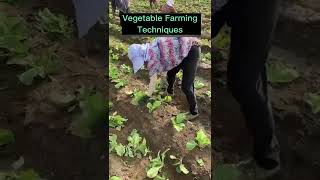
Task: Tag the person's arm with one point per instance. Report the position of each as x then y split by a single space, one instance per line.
152 84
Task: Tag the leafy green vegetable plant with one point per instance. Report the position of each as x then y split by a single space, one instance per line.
138 97
137 145
43 65
180 167
13 33
152 106
116 121
156 165
178 121
56 26
200 162
92 112
198 84
201 140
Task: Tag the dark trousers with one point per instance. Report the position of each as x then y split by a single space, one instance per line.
189 67
252 24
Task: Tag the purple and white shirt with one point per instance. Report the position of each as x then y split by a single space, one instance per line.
165 53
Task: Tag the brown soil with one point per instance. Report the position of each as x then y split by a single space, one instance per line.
41 128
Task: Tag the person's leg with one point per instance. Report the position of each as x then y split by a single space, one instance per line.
171 78
219 18
252 26
189 67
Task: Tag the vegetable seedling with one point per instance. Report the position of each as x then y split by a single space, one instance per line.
138 97
156 165
201 140
180 167
116 121
178 121
152 106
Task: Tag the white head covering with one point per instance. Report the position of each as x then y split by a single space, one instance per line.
137 55
170 3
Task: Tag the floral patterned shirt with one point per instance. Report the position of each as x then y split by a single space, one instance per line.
165 53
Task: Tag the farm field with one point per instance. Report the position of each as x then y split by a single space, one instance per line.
139 127
294 84
52 98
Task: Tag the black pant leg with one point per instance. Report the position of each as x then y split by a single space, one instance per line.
171 78
189 67
252 28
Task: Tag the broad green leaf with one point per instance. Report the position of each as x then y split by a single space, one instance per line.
120 149
116 120
6 137
314 101
112 142
92 113
202 139
200 162
115 178
180 118
167 99
198 84
27 77
183 169
191 145
153 172
178 126
138 97
278 72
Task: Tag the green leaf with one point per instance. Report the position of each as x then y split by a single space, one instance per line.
27 77
226 172
153 172
200 162
153 106
112 142
314 101
202 139
6 137
167 99
120 149
115 178
178 121
116 121
191 145
180 118
92 113
198 84
138 97
278 72
183 169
